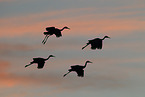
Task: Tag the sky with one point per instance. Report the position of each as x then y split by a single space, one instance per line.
117 70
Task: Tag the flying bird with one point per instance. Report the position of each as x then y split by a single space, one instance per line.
95 43
51 31
39 61
78 69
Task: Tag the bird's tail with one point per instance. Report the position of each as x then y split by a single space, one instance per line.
66 74
85 46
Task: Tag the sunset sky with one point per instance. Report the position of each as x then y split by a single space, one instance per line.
118 70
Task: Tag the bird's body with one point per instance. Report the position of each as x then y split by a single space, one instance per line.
96 43
78 69
53 31
39 61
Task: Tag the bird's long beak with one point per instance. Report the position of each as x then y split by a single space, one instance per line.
90 62
68 28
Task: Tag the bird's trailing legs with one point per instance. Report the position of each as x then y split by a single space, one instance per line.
66 74
45 39
29 64
85 46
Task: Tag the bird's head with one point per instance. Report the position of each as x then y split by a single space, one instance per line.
89 62
106 37
51 56
66 27
86 63
45 33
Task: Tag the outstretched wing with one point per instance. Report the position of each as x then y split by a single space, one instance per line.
76 67
96 43
57 33
40 65
50 29
38 59
80 73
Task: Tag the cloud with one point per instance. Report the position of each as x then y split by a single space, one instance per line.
104 73
13 79
4 65
14 47
12 50
55 79
9 79
85 24
3 73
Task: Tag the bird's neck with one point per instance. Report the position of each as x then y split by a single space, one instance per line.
47 58
85 65
62 29
103 38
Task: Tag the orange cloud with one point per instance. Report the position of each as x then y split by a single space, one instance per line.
99 73
32 24
83 24
13 79
3 73
14 47
4 65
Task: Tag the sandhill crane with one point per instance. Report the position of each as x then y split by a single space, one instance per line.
51 31
95 43
39 61
78 69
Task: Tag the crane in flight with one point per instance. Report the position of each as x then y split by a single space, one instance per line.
39 61
95 43
78 69
51 31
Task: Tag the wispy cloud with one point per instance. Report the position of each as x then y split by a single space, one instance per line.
103 73
93 23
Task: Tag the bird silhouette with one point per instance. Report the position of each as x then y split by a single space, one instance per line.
78 69
95 43
39 61
51 31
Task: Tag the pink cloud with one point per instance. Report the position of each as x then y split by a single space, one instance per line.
100 74
14 47
85 24
4 65
3 73
13 79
